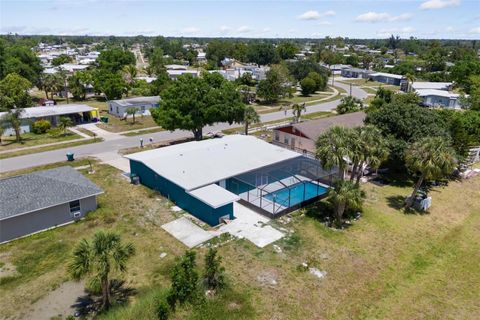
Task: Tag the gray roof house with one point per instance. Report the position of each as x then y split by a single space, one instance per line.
143 104
42 200
439 98
355 73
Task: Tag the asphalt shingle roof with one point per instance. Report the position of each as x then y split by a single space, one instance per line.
43 189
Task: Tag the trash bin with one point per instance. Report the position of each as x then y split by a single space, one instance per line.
70 156
104 119
134 179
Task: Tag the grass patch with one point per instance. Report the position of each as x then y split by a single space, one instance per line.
387 263
31 139
48 148
116 125
137 133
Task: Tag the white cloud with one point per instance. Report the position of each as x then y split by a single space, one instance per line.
244 29
395 31
449 29
475 30
439 4
382 17
324 23
225 28
190 30
315 15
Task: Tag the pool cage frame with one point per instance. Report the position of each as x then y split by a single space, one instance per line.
263 183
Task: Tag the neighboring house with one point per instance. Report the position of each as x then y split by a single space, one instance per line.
387 78
147 79
201 57
42 200
79 113
301 137
176 67
336 68
143 104
355 73
446 86
439 98
173 74
206 177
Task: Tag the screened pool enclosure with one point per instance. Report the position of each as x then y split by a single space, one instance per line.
280 188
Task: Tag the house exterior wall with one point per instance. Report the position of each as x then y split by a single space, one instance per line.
179 196
387 80
293 142
23 225
120 110
433 101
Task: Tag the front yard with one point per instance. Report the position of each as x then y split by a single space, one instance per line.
31 139
387 265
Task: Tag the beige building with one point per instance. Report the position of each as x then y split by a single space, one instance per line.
301 136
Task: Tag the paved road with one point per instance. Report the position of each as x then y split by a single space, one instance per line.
112 146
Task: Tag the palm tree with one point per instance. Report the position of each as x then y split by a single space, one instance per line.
62 77
349 104
64 123
98 258
334 148
371 149
250 116
13 119
410 80
297 110
345 195
431 158
131 111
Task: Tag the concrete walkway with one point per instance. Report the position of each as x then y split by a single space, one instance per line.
80 133
106 135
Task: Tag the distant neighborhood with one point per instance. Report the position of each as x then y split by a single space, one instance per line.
234 178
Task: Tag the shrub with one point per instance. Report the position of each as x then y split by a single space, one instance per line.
162 310
308 86
41 126
55 132
214 272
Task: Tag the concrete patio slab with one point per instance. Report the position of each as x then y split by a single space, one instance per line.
187 232
251 226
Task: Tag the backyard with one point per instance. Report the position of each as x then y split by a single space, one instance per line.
387 263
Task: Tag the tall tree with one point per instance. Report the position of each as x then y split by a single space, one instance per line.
251 116
344 195
334 148
14 92
13 118
297 109
429 158
193 103
99 258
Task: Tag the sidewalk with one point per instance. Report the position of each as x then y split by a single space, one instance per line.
106 135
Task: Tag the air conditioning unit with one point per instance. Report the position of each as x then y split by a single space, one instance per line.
77 214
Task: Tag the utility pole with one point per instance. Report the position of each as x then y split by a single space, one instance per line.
350 89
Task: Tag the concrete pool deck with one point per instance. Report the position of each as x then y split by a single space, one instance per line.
248 225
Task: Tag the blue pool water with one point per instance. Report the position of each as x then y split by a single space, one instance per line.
298 193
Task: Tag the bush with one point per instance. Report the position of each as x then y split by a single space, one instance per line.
55 132
41 126
308 86
162 310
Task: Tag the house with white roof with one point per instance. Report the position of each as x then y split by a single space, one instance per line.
387 78
439 98
206 177
143 104
79 113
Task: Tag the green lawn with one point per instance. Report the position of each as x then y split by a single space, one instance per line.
31 139
116 125
387 265
38 149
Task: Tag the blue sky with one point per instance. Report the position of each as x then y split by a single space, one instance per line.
348 18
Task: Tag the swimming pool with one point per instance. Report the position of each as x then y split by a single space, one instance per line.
298 193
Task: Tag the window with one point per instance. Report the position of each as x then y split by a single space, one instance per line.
75 206
285 139
277 136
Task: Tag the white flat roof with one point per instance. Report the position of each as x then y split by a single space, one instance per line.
38 112
431 85
438 93
389 75
214 195
196 164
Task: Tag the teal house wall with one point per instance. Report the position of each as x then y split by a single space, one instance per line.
179 196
